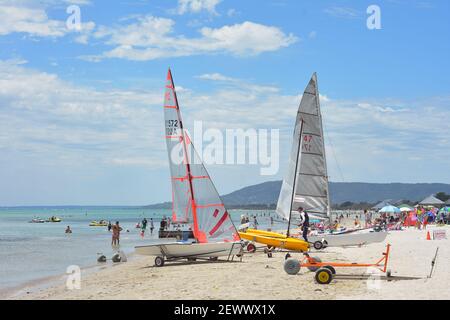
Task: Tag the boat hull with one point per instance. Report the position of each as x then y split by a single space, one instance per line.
185 249
274 239
355 238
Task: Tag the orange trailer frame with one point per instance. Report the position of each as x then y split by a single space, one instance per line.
381 264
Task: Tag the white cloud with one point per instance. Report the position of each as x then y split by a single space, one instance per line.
150 38
32 19
53 121
196 6
343 12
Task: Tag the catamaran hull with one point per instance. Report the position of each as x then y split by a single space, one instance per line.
191 250
274 239
355 238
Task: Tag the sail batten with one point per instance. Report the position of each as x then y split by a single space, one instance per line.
194 196
306 182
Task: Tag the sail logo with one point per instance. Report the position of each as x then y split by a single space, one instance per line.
234 147
73 22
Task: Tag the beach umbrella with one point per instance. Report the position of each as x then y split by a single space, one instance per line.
406 209
445 209
390 209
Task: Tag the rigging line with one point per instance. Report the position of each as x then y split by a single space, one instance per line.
334 154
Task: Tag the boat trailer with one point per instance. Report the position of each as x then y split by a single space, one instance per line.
325 272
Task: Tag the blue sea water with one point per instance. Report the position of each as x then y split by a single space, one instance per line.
31 251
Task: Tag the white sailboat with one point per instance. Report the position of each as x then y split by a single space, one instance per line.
194 197
306 184
306 181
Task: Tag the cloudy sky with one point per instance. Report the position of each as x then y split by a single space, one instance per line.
81 118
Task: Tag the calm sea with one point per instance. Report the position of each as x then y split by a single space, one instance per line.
31 251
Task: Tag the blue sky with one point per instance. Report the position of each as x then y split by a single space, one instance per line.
81 118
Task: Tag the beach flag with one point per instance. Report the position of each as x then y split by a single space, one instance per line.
428 235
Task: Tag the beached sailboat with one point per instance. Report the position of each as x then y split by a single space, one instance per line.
306 184
195 200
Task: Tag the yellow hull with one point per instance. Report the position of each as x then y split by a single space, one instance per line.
274 239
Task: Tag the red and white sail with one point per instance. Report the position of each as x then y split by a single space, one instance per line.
194 196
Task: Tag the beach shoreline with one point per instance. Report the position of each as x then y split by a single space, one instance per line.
258 277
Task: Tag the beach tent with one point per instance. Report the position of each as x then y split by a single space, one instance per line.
431 201
381 205
390 209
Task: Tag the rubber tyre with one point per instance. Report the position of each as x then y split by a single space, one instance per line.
323 276
191 259
318 245
101 259
333 270
213 258
292 266
159 261
313 269
251 248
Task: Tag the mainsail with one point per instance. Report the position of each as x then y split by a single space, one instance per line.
306 181
194 196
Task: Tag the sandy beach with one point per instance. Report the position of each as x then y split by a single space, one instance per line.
260 277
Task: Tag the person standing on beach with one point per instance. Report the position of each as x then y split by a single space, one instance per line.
152 226
304 221
116 234
255 222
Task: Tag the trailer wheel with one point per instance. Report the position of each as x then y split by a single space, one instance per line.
251 248
333 270
292 266
312 268
191 259
318 245
323 276
213 258
159 261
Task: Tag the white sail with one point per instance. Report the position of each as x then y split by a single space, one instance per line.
194 196
306 181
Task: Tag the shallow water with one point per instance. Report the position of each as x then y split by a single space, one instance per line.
30 251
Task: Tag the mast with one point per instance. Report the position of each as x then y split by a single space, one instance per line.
188 166
294 185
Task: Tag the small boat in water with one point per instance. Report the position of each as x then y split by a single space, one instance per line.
101 223
54 219
37 220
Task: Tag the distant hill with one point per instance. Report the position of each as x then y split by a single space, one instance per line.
265 194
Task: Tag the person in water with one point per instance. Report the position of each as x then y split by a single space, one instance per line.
144 224
304 218
109 225
116 234
152 226
68 230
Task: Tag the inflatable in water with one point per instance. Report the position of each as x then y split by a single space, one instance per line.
101 223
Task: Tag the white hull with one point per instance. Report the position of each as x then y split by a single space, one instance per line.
185 250
353 238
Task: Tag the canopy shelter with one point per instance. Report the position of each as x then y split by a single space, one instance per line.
390 209
381 205
431 201
406 208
